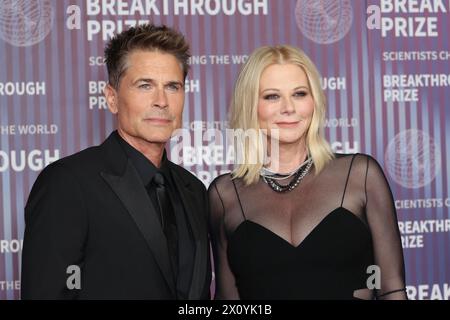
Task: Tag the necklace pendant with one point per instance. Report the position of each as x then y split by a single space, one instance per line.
298 176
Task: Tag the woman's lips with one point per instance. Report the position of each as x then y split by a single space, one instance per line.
287 124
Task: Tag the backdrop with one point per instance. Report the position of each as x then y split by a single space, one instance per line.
385 69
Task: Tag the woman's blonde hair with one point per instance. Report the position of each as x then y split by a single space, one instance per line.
244 113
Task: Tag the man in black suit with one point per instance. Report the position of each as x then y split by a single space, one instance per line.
120 221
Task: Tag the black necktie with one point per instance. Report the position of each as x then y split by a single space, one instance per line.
168 221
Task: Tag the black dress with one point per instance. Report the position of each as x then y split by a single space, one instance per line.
314 242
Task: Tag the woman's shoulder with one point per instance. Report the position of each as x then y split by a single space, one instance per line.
353 157
223 190
223 181
222 178
354 161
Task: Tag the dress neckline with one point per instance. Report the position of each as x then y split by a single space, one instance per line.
310 233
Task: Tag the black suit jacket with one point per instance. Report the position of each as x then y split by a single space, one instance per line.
91 210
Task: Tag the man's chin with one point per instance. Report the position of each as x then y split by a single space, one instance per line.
157 140
156 134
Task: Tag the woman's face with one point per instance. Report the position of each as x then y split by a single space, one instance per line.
285 102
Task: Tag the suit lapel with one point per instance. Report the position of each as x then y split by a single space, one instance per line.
193 216
131 192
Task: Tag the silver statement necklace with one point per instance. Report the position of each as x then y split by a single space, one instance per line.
271 178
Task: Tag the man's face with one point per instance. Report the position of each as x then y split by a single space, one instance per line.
149 100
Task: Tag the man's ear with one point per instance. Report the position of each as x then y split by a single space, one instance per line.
111 98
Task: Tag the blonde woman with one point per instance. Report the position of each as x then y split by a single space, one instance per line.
308 224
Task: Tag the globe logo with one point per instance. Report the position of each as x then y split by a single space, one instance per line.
24 23
324 21
413 159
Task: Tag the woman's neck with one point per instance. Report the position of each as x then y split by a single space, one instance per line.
290 157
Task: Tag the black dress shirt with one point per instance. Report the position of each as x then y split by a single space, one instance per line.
186 249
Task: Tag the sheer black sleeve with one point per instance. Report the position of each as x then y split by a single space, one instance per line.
224 278
382 219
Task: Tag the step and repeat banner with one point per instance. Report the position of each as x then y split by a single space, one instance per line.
385 67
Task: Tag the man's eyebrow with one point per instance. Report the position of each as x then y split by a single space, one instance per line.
150 80
174 82
147 80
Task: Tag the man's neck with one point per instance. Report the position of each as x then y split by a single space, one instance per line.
152 151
